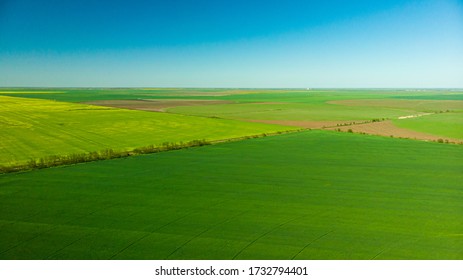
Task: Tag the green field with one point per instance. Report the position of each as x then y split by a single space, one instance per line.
35 128
290 111
302 195
291 104
315 105
448 125
308 195
239 95
343 106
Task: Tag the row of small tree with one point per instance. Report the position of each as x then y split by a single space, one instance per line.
58 160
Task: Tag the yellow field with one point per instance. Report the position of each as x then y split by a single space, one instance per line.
34 128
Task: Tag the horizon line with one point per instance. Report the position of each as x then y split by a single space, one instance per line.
242 88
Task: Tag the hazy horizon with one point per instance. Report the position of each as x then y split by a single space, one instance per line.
238 88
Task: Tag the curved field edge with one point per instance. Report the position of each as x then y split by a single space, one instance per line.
307 195
389 129
448 125
33 129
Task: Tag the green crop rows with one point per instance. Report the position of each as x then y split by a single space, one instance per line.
309 195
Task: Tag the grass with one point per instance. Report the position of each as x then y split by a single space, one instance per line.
291 111
308 195
36 128
448 124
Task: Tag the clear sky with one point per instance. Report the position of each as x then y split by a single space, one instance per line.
231 43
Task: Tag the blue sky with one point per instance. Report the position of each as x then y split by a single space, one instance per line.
205 43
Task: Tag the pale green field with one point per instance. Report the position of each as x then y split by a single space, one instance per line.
342 106
34 128
447 125
292 111
38 126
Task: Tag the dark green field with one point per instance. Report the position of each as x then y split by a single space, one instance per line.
308 195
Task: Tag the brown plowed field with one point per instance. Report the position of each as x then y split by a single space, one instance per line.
158 105
305 124
387 128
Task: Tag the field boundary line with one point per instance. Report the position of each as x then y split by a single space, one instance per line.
310 243
29 239
82 237
264 234
149 233
67 245
206 230
161 227
53 227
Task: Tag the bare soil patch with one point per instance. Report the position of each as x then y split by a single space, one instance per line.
158 105
414 116
306 124
387 128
